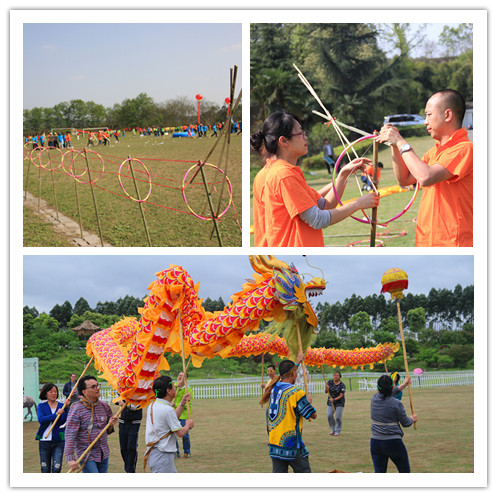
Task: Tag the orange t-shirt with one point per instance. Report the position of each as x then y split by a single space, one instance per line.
280 194
445 217
370 172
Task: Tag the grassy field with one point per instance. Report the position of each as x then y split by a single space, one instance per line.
230 436
354 232
168 218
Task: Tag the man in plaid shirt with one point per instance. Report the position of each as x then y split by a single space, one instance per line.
86 419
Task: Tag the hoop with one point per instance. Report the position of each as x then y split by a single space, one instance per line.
77 176
368 220
45 149
149 180
230 190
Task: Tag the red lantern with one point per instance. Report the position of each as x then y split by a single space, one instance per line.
227 101
394 281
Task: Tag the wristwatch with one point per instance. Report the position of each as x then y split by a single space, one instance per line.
405 148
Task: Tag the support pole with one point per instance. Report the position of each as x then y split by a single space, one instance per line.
303 365
94 199
374 212
201 166
405 359
184 364
139 203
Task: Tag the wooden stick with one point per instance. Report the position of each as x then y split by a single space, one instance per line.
405 359
94 199
374 212
69 397
300 350
184 364
139 203
100 435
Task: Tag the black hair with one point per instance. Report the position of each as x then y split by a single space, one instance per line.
285 366
82 383
161 385
385 385
455 102
46 388
338 372
265 141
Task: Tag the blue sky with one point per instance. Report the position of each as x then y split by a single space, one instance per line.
50 279
107 63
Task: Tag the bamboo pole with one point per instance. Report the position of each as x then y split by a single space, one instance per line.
69 397
139 203
303 365
79 207
374 212
55 196
26 184
184 364
214 220
94 199
405 358
100 435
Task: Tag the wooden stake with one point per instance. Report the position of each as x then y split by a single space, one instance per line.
405 358
69 397
100 435
139 203
94 199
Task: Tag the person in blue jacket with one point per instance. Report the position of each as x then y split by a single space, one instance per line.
52 446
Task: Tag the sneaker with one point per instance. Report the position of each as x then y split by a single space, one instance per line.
187 455
337 434
332 433
177 455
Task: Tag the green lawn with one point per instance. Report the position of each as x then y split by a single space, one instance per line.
230 436
398 233
168 218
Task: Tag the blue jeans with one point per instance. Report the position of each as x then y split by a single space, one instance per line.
394 449
96 467
186 440
51 453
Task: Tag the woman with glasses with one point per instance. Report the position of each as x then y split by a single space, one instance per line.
287 211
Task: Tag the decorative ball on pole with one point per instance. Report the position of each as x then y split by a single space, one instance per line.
199 97
394 281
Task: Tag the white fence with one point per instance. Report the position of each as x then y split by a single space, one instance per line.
251 386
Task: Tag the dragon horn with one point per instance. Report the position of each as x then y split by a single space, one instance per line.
272 263
256 264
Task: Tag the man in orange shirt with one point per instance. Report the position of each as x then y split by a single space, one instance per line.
445 172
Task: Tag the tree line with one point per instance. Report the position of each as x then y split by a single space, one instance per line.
438 328
141 111
361 72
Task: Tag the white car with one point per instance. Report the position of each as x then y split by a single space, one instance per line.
404 120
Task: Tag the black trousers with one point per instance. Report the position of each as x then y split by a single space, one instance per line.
128 441
299 465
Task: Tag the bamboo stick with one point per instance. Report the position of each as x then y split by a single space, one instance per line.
374 212
184 364
69 397
405 359
303 365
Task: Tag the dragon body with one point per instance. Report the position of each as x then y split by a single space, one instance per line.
130 354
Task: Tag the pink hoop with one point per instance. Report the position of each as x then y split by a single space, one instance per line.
230 190
368 220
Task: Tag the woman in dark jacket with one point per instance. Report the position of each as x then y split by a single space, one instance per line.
51 446
387 414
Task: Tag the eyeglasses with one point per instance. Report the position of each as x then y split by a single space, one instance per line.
302 132
93 387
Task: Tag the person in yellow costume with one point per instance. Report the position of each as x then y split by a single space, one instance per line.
288 407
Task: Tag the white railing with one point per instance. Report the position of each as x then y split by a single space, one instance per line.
251 386
427 380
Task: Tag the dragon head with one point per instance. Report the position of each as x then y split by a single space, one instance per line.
291 290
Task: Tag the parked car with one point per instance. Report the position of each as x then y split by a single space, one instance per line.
404 120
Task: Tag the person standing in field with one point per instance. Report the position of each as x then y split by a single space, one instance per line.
271 372
335 403
288 407
387 414
445 217
183 418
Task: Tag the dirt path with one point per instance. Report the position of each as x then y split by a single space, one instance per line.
63 224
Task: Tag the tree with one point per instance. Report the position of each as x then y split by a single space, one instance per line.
461 354
30 310
458 40
416 319
361 323
81 306
62 313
